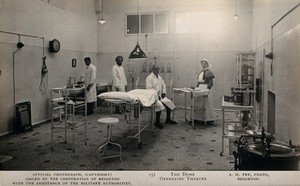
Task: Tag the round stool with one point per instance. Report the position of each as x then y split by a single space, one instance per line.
109 121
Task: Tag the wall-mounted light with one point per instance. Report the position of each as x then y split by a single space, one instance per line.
269 55
20 45
137 52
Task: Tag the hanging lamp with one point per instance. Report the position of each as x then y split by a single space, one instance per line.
101 20
137 52
235 14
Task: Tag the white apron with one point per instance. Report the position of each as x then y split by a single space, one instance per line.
208 114
90 78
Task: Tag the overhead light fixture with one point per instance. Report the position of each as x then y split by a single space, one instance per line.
235 14
102 21
137 52
99 11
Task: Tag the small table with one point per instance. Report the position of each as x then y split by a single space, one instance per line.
193 94
231 106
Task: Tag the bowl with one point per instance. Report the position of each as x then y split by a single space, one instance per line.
76 91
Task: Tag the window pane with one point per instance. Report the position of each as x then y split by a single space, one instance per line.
161 23
147 23
132 24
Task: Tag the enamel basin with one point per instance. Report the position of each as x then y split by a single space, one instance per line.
76 91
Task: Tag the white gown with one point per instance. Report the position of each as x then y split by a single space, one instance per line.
158 84
90 78
119 78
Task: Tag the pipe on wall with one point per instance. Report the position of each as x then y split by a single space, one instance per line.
271 54
19 46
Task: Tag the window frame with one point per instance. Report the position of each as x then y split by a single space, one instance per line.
154 22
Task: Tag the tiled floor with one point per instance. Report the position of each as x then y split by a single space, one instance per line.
176 147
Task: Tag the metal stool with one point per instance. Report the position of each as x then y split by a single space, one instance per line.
109 121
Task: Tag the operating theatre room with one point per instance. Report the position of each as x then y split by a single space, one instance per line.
150 85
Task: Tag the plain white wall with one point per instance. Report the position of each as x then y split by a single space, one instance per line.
284 82
70 21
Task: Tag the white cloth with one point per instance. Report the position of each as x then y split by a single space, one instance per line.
90 79
123 96
146 97
158 84
119 78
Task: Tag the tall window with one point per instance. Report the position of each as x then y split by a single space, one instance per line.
146 23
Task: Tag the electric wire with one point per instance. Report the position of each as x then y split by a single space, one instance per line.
44 84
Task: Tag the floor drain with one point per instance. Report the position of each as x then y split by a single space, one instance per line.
211 150
170 159
209 163
46 161
214 132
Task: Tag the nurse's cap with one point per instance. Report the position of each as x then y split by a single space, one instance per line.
206 61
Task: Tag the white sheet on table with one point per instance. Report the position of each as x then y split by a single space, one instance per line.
146 96
131 98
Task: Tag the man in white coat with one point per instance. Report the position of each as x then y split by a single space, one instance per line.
119 78
154 81
90 85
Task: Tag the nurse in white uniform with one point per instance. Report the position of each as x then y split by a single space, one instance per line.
154 81
205 79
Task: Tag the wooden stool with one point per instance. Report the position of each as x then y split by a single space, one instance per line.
109 121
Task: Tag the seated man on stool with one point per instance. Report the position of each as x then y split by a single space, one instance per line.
154 81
